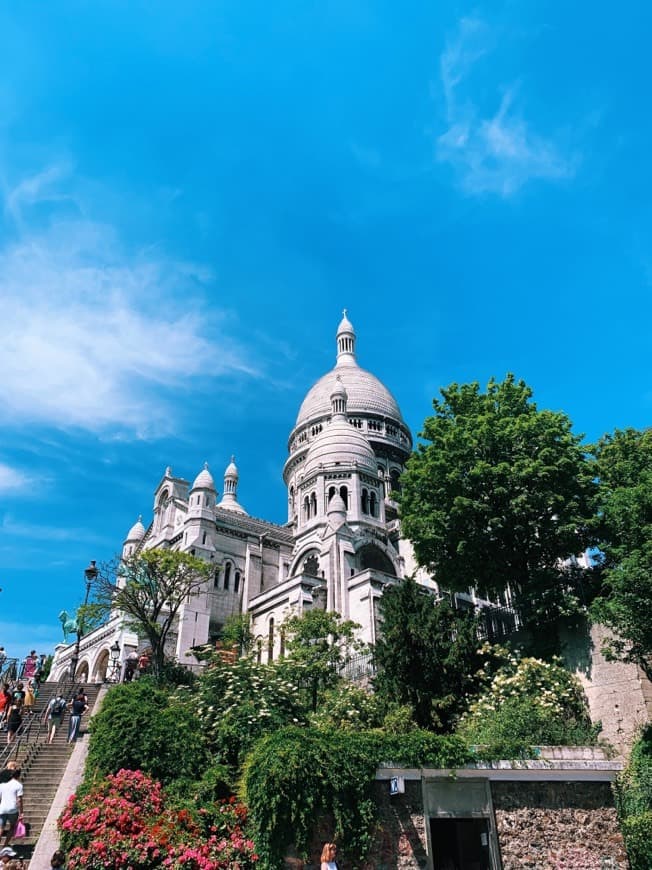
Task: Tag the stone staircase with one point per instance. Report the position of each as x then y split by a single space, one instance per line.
43 765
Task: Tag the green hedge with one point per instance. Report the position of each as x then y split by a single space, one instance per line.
634 799
295 775
143 727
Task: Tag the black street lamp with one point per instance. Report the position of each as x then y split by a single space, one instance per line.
90 575
114 652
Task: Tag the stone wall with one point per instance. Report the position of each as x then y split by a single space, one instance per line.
557 826
618 695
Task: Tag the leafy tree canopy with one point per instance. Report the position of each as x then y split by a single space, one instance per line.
318 643
624 464
498 496
149 589
427 655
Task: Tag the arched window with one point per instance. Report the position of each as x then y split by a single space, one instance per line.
306 509
282 640
203 538
270 641
216 578
344 493
236 582
163 497
311 566
331 492
373 504
395 475
365 501
313 505
227 575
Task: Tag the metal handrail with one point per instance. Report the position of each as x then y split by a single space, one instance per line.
32 728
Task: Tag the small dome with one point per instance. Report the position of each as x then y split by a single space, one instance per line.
345 327
204 479
232 469
336 505
340 444
137 531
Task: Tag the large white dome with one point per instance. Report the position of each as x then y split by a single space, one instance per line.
366 395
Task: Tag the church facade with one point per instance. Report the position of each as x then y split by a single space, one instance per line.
340 546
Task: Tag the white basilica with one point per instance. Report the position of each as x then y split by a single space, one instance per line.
340 546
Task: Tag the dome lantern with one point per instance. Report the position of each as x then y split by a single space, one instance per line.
230 498
338 400
345 342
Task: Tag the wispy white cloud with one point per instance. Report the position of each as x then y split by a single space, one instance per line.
93 336
501 152
11 478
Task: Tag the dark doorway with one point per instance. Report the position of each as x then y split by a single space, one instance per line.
460 844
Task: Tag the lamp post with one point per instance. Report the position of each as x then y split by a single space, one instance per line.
114 652
90 575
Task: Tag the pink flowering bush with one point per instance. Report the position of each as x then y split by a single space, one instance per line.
125 823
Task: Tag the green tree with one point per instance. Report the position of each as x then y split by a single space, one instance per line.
319 643
624 462
236 632
149 589
427 655
498 496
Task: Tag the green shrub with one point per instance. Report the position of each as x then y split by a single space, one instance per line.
240 702
634 802
637 831
350 707
143 727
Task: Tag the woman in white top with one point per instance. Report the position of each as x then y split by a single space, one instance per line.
328 855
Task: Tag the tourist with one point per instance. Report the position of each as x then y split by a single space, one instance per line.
30 665
19 694
57 860
77 709
11 803
9 859
40 671
130 666
54 714
6 696
14 721
30 698
143 663
3 657
328 855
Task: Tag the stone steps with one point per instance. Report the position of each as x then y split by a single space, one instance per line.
44 765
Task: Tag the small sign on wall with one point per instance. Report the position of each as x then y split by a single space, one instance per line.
396 785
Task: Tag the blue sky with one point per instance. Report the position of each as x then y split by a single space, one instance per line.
190 194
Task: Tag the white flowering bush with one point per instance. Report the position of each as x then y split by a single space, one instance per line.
349 707
528 702
237 703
